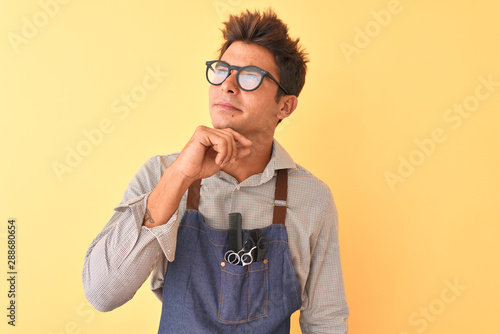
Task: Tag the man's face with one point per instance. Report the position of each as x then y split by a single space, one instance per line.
249 113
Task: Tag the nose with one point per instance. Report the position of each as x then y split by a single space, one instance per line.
230 85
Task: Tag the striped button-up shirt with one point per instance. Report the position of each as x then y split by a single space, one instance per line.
125 253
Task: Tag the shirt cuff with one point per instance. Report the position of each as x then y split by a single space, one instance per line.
127 231
166 234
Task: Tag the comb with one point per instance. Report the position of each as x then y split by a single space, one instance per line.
235 237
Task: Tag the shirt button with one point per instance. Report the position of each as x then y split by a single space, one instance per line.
237 188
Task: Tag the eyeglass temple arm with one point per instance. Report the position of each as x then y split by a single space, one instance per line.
279 85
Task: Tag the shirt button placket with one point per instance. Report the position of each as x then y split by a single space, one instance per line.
233 193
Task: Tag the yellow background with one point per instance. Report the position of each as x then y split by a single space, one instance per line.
359 115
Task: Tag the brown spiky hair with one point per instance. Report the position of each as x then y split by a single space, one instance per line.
267 30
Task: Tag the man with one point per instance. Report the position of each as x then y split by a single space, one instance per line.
174 216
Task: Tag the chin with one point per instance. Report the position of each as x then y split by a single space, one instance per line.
224 121
223 125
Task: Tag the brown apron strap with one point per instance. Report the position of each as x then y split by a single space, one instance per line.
193 199
281 191
280 194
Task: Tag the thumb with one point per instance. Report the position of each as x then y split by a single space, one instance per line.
243 152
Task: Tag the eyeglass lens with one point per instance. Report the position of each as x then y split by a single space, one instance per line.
248 77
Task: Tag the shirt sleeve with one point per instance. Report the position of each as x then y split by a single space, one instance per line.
325 309
124 253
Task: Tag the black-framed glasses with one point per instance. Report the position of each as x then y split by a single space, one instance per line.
248 77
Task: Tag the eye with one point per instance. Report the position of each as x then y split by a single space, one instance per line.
220 72
217 73
250 77
220 68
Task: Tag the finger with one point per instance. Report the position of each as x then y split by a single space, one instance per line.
240 145
232 144
221 151
229 144
211 141
223 145
234 150
242 140
242 152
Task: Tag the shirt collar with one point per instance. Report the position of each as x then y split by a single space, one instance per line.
280 159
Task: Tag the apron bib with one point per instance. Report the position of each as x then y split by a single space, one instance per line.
204 294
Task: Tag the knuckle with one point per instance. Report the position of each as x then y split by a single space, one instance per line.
200 128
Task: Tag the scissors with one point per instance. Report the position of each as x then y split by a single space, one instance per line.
247 255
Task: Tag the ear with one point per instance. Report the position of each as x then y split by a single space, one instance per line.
287 105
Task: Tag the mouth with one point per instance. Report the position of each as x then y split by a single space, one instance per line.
224 105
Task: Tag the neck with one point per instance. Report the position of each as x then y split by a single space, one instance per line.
254 163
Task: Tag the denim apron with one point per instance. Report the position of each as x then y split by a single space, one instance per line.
204 294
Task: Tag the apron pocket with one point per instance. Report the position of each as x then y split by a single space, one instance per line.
244 292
